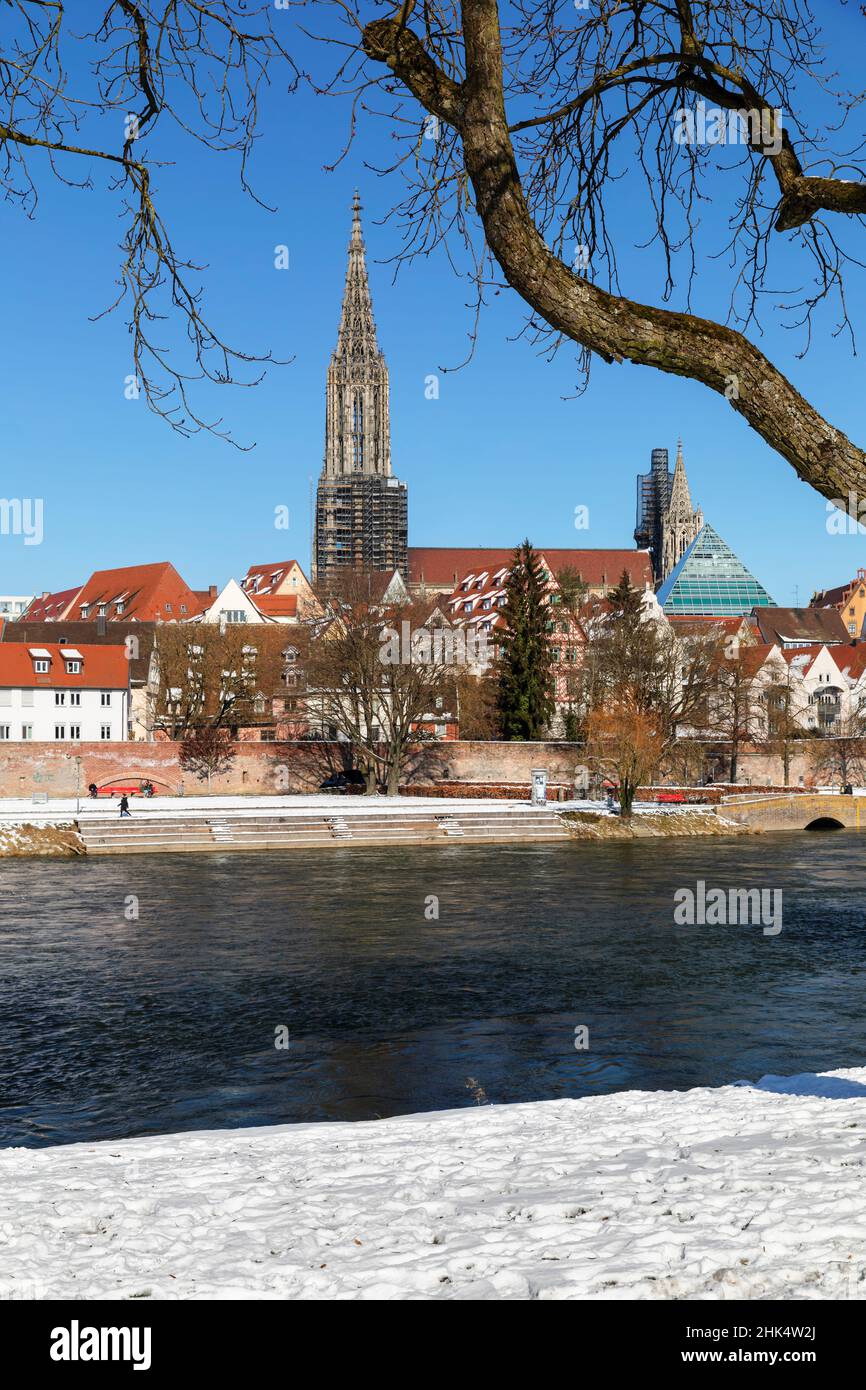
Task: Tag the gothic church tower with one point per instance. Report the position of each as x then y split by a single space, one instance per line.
680 524
361 508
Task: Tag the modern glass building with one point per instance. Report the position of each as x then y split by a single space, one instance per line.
710 580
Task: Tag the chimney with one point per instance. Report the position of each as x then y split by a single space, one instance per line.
212 591
100 625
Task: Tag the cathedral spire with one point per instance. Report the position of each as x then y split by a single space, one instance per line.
357 422
357 332
361 508
680 525
680 505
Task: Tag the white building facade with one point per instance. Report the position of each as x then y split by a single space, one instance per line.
63 694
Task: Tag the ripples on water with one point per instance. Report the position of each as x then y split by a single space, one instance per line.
111 1028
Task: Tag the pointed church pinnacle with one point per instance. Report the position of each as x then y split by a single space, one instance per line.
357 332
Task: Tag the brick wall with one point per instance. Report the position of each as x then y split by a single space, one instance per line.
260 768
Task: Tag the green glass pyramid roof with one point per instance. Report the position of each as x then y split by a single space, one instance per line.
709 579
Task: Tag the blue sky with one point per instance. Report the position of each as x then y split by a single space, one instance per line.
501 454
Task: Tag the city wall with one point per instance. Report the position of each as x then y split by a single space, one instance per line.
260 768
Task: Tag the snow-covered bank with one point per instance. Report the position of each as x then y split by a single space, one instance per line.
746 1191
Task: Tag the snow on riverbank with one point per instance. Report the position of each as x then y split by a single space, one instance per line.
745 1191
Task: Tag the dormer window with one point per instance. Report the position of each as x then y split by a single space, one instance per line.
85 611
41 665
73 667
119 607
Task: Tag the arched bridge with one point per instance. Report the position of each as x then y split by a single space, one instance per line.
804 812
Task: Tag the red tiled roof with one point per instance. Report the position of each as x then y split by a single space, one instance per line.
809 649
730 625
836 598
102 667
276 605
487 585
440 565
851 660
150 593
48 608
751 659
263 573
803 625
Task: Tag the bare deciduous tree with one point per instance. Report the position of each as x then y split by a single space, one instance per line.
539 111
73 101
208 676
373 674
625 744
206 751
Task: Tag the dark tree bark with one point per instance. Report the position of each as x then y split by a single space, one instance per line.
617 328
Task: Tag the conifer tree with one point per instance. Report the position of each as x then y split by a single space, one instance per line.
526 687
625 601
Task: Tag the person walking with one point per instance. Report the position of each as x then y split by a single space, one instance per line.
124 805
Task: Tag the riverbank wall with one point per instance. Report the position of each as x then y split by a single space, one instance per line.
260 769
223 824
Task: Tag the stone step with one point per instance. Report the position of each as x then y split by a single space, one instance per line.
199 832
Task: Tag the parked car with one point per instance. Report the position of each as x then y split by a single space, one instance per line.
350 783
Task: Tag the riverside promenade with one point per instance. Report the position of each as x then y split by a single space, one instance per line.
188 825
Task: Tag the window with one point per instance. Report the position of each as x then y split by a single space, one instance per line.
59 730
41 665
73 668
119 607
105 731
168 608
6 697
27 697
60 697
85 611
183 608
75 697
234 615
5 731
105 697
75 731
26 731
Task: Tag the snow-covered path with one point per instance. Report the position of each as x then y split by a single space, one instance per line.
739 1192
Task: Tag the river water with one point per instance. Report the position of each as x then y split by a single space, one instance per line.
113 1024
